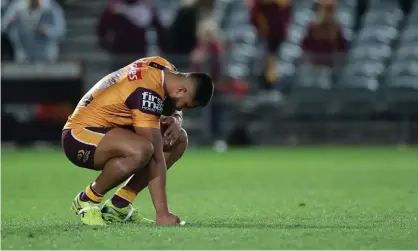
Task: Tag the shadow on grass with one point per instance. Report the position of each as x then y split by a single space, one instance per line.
276 226
40 228
36 229
32 229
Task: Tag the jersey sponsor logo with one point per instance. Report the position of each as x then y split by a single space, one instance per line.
145 100
111 79
134 71
151 102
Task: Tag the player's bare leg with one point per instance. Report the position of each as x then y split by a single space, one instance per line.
140 180
120 154
116 209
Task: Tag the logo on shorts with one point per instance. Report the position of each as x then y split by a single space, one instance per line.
151 103
83 155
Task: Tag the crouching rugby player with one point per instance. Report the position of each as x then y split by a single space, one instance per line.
116 130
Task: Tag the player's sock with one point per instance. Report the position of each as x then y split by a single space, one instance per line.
90 195
123 197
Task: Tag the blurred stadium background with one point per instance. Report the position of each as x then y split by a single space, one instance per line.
275 84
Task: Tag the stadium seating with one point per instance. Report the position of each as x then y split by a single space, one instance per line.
311 94
356 91
289 54
398 86
379 66
302 15
346 13
311 91
243 37
402 88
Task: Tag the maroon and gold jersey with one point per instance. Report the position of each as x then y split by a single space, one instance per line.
131 96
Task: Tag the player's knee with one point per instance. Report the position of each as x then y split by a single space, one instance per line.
141 152
145 152
183 140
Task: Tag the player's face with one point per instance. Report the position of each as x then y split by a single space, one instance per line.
183 99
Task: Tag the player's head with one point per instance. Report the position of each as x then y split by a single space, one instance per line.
190 90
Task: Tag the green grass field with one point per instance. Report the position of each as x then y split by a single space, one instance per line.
300 198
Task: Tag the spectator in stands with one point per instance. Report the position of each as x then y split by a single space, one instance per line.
271 19
207 57
34 28
6 48
183 31
6 45
122 29
4 5
406 5
324 42
206 9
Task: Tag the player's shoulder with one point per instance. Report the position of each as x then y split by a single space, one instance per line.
161 61
141 74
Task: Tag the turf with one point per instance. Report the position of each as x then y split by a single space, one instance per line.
300 198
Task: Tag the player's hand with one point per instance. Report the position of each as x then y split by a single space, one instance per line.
172 133
167 219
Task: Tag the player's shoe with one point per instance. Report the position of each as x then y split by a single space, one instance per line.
128 214
89 212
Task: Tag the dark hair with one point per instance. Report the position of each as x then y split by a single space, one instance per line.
204 87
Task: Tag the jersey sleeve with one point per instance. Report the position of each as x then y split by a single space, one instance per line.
146 106
145 97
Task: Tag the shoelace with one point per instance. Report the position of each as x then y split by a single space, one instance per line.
88 208
128 216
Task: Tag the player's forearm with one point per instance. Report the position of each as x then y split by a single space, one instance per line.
157 185
157 176
157 169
